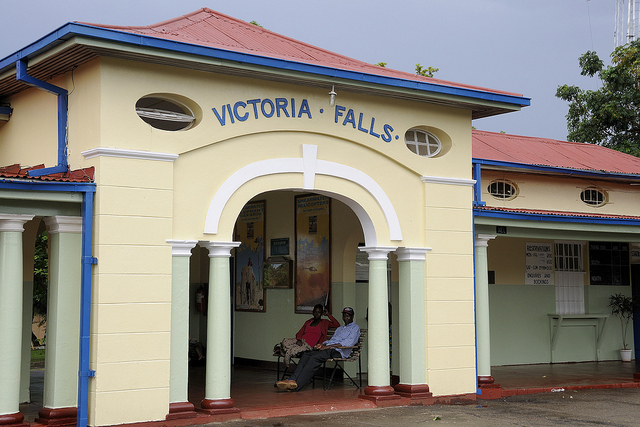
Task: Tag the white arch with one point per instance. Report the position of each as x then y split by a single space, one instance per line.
309 166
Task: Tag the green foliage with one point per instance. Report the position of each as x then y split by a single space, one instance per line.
609 116
426 72
381 64
624 307
40 275
256 24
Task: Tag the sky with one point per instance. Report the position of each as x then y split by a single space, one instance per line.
526 47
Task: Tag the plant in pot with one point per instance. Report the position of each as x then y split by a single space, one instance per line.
623 307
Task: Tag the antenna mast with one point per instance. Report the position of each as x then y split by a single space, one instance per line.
626 25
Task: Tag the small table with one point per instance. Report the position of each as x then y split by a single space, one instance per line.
557 321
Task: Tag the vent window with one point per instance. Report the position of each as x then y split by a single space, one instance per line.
165 114
503 190
593 196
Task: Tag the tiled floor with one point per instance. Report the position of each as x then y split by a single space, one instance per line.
254 393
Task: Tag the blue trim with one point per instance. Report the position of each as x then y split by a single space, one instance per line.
477 186
556 169
72 29
554 218
63 101
68 187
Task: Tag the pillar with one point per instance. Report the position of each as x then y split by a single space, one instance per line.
217 394
11 229
179 405
28 245
412 318
60 397
378 372
483 336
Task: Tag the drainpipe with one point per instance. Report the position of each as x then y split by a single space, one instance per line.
63 101
84 373
477 187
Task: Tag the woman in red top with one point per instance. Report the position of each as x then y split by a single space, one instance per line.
313 331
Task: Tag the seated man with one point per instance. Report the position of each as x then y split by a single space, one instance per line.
345 336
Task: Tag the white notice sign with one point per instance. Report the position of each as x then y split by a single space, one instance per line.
539 264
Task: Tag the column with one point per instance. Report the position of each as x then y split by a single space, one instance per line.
28 242
217 395
11 228
412 331
378 372
483 336
179 405
60 398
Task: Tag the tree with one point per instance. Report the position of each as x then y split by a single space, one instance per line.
609 116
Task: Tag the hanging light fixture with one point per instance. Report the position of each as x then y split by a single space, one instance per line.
332 95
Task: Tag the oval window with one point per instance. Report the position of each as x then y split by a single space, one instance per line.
593 197
422 142
165 114
502 189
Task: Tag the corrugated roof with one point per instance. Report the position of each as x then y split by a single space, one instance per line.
206 27
551 152
556 213
17 171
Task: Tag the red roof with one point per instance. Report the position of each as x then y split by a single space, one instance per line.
551 152
555 213
16 171
206 27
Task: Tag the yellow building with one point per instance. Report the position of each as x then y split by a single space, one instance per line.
185 160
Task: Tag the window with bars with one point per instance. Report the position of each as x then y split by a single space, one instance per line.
568 257
593 196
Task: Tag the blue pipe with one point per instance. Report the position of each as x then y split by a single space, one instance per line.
63 101
84 373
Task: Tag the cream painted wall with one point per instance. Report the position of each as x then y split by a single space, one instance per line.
535 193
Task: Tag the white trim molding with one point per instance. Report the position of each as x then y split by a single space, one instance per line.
309 166
412 254
448 181
128 154
182 248
14 222
64 224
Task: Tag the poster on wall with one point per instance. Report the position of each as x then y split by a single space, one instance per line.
249 294
538 264
313 252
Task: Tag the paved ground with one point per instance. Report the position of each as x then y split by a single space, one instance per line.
611 407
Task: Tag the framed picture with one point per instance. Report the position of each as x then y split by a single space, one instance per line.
250 226
277 274
313 252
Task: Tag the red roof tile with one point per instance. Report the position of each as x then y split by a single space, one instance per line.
16 171
206 27
550 152
555 213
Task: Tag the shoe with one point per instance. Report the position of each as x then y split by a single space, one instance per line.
287 385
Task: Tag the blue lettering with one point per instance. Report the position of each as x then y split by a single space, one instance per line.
304 108
387 133
270 103
281 104
230 113
222 119
254 102
371 132
350 118
360 128
293 107
339 110
245 116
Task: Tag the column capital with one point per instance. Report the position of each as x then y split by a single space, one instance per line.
482 240
64 224
412 254
182 247
11 222
378 253
219 249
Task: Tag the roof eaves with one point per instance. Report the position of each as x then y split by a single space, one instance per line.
68 31
520 214
555 169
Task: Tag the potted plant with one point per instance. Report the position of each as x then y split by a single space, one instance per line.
624 307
